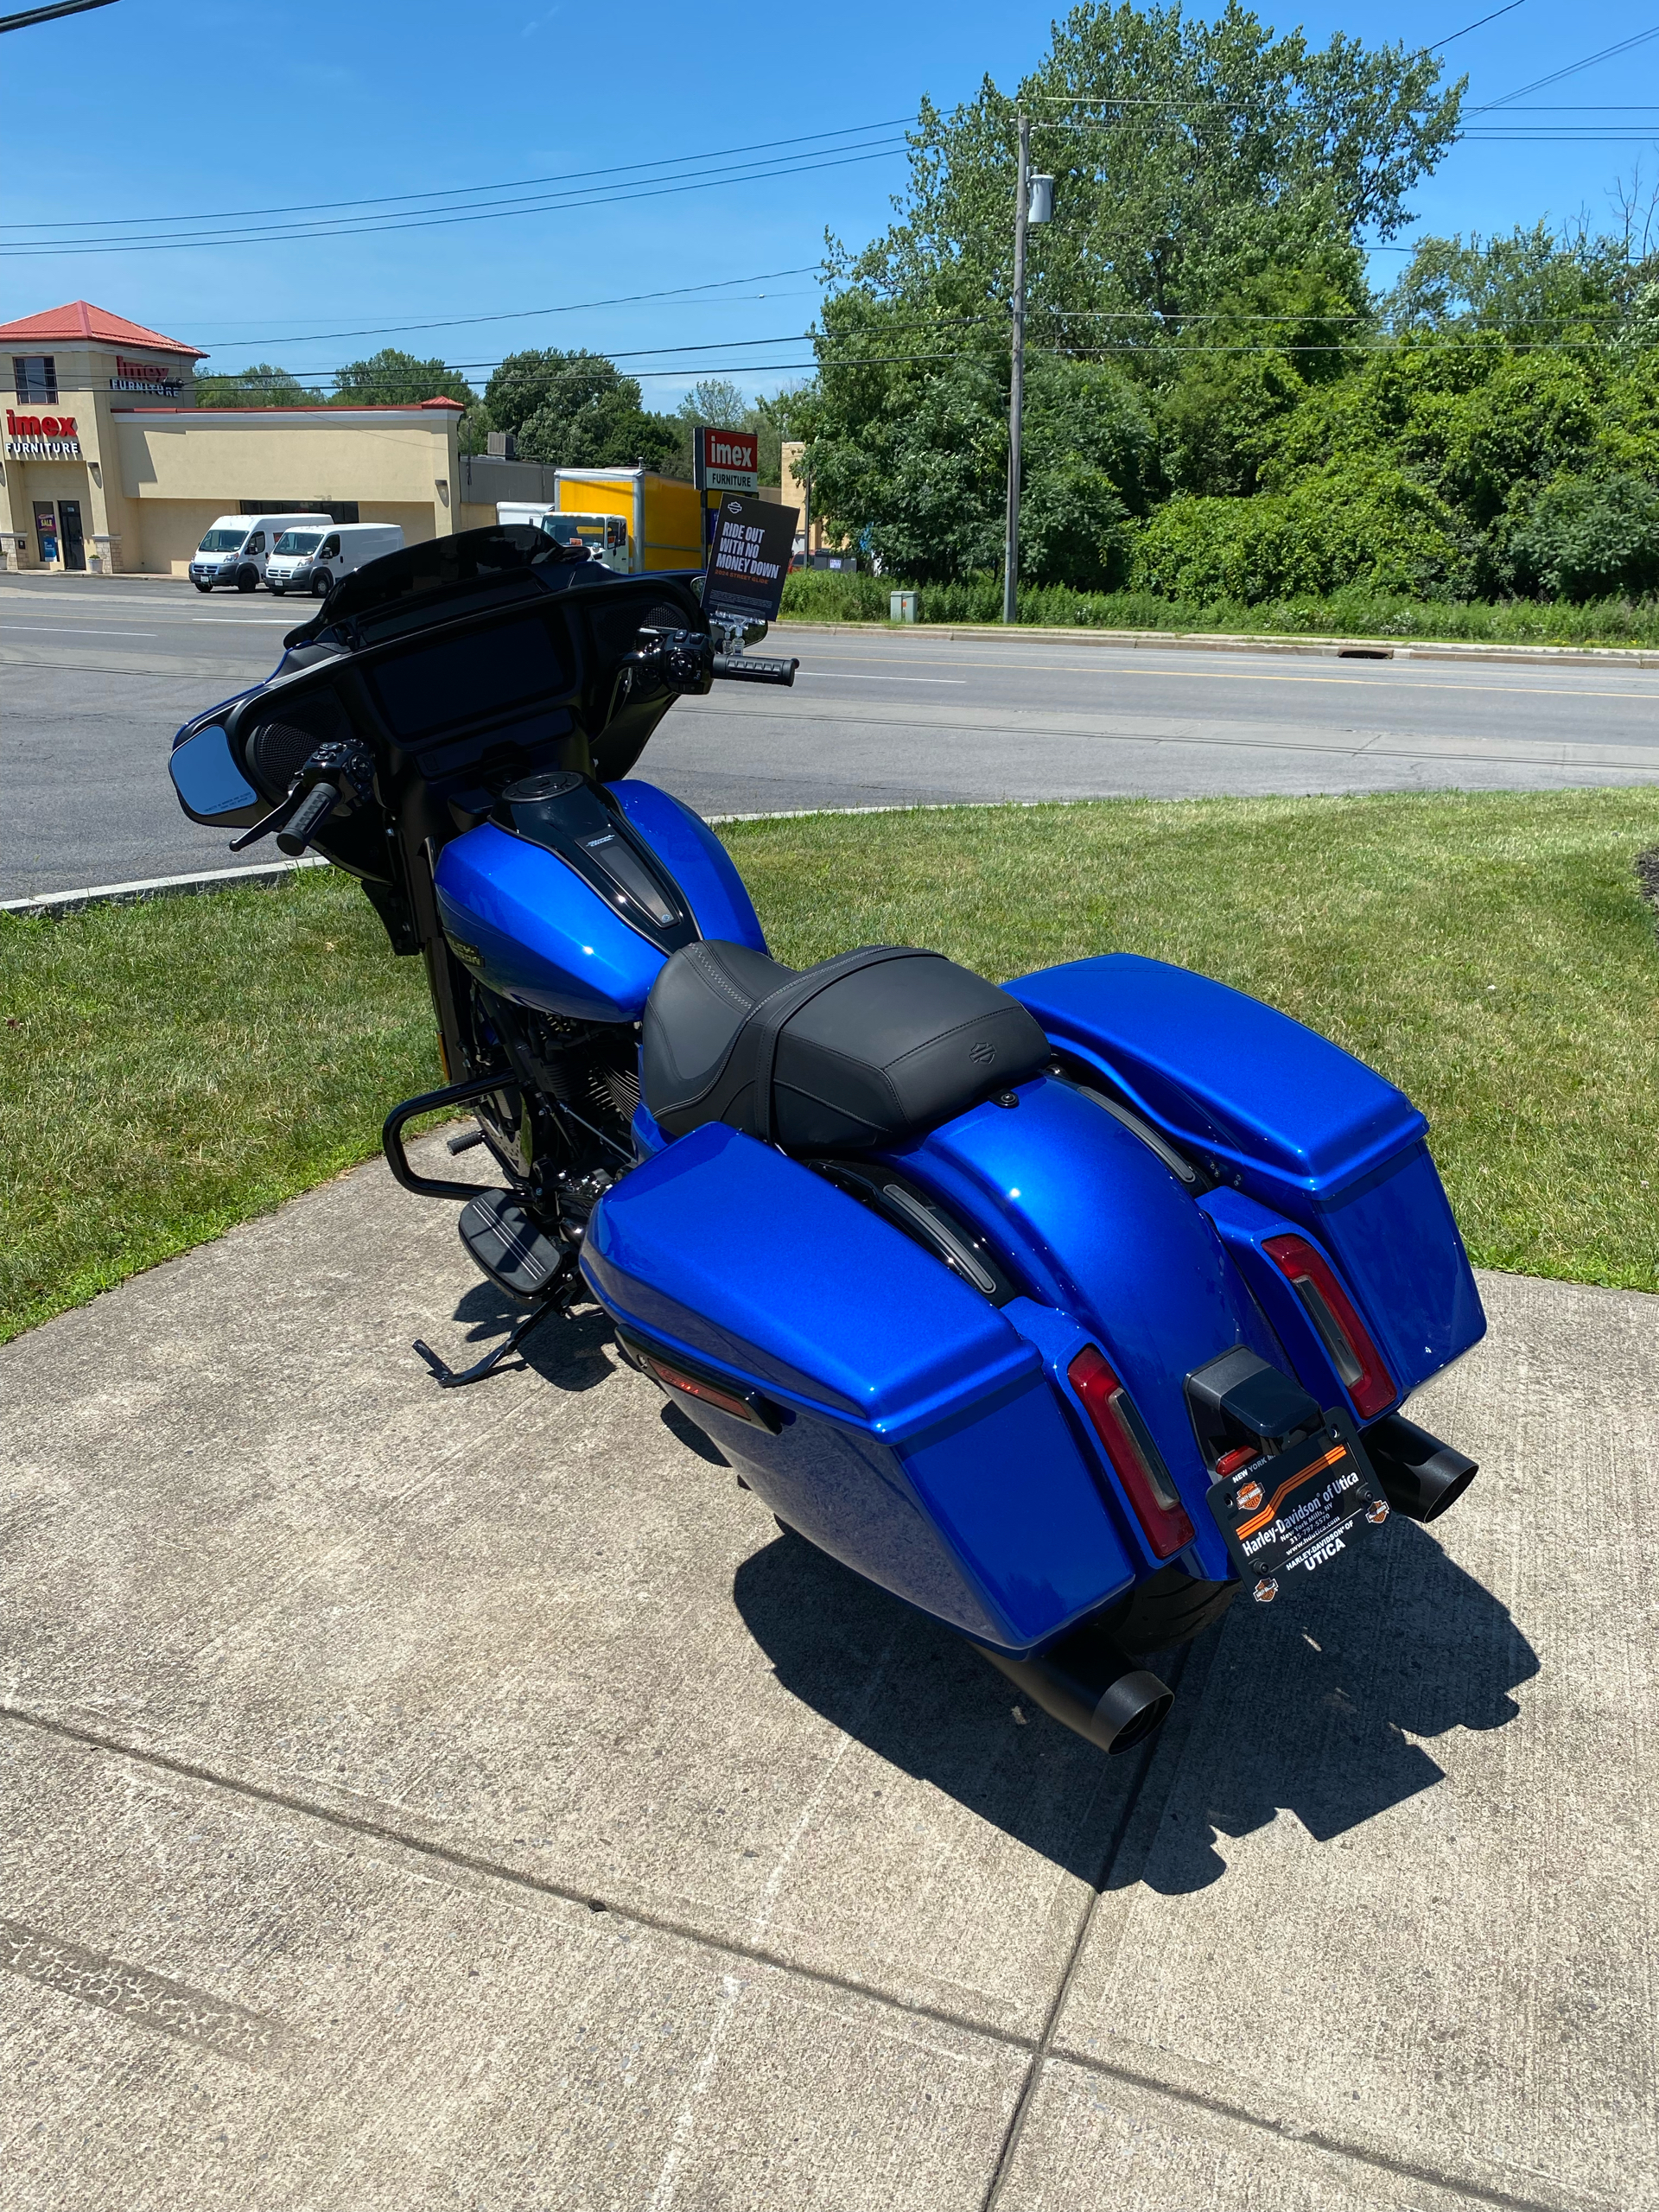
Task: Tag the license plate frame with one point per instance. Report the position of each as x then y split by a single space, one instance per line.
1295 1511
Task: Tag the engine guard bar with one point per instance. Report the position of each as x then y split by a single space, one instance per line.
430 1101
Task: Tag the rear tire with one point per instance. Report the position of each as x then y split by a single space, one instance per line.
1170 1608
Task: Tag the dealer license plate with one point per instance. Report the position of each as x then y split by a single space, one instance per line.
1295 1513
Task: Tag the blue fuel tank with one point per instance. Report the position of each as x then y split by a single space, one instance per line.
566 907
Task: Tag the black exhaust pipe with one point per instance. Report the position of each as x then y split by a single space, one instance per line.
1420 1476
1086 1682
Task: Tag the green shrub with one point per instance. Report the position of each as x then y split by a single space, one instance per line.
1355 611
1374 527
1585 539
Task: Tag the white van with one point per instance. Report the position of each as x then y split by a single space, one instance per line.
314 557
235 549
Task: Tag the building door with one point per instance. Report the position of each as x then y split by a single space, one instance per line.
74 546
46 529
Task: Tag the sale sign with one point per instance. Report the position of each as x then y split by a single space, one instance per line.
726 460
748 560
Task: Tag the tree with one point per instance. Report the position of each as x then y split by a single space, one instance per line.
262 385
391 379
578 410
1213 181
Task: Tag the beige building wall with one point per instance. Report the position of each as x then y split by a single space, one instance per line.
151 476
398 464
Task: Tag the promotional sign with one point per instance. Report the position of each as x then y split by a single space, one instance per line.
725 461
46 531
748 560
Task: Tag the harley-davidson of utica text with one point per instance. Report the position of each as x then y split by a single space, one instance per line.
1063 1311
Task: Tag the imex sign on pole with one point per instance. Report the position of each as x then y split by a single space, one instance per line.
726 460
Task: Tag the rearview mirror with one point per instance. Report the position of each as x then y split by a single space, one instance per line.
210 785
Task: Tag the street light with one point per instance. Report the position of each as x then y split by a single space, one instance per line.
1033 202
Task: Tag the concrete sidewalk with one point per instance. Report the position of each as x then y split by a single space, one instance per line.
424 1799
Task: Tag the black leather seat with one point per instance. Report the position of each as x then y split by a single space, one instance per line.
867 1050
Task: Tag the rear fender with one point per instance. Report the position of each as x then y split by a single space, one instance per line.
1097 1226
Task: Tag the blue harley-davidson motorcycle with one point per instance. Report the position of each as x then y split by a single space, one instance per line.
1062 1311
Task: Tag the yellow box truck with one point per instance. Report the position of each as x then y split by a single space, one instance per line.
663 516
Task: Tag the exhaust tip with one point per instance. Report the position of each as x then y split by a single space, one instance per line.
1091 1685
1421 1477
1135 1706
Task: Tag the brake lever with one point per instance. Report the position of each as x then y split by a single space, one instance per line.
279 814
346 765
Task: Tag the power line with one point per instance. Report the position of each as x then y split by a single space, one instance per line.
1572 69
1480 21
29 16
453 191
516 315
747 173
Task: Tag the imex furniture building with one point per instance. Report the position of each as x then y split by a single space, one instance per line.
109 462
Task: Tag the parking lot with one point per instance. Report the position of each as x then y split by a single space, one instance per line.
472 1799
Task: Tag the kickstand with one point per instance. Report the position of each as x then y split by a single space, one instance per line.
449 1378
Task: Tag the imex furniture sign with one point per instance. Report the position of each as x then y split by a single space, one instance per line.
726 460
153 377
41 437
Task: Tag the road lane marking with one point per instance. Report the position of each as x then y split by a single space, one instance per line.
852 676
1265 676
59 630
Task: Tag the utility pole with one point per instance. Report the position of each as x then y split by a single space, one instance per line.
1033 202
1017 371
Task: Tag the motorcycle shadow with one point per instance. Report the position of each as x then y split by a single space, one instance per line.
1308 1707
923 1701
1316 1704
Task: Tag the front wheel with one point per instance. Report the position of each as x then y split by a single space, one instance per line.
322 584
204 586
275 590
248 580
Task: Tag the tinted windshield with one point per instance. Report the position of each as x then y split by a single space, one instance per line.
299 541
221 541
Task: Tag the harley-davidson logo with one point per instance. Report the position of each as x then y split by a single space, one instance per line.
1248 1496
982 1055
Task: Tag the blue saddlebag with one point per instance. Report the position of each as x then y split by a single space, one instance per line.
907 1427
1315 1137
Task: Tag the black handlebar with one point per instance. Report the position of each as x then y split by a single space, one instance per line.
748 669
312 811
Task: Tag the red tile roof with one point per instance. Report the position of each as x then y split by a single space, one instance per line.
81 321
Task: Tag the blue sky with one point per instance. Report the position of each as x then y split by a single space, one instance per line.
162 107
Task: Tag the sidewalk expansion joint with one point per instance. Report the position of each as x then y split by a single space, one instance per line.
1039 2057
490 1869
1041 2049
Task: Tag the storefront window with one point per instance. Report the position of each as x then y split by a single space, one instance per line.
35 377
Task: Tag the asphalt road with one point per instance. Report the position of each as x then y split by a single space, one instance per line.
99 672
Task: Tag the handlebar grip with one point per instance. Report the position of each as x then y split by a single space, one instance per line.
746 669
313 811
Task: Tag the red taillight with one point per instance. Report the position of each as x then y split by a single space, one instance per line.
725 1401
1344 1335
1132 1453
1240 1456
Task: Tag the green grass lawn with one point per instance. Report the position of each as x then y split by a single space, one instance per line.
176 1067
